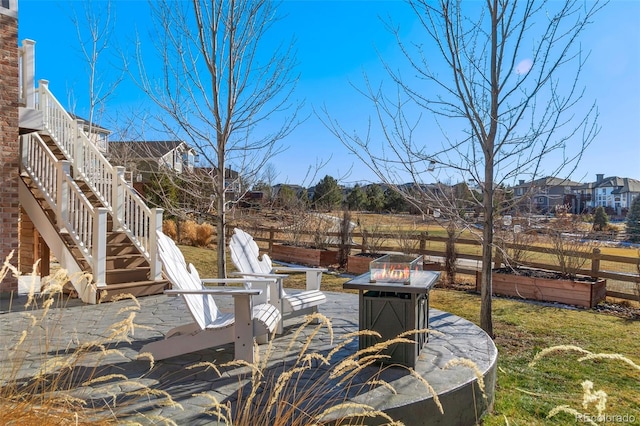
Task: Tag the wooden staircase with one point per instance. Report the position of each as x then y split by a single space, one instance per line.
127 269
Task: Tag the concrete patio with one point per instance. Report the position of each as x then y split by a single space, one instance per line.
76 323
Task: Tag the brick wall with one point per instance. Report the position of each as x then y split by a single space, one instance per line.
9 145
28 252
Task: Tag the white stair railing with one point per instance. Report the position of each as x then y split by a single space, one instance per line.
130 213
75 215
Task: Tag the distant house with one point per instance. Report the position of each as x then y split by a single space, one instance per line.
142 158
96 134
614 193
548 194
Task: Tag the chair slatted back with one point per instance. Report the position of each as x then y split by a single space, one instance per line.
245 254
203 307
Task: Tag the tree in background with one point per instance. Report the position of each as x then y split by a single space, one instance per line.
217 84
327 194
600 219
394 201
375 198
287 198
501 79
633 221
357 198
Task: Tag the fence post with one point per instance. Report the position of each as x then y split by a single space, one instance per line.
498 259
363 249
271 234
595 262
423 242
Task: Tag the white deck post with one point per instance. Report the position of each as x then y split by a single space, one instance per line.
43 102
154 259
28 74
62 194
25 146
78 151
118 196
99 246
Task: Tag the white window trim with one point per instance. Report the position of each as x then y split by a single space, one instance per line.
12 11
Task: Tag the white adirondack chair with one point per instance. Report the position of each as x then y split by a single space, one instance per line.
245 255
211 327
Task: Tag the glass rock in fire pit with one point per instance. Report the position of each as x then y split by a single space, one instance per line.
394 268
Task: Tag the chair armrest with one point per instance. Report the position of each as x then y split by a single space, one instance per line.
230 280
296 269
259 275
216 291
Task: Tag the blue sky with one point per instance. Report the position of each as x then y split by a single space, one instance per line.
336 42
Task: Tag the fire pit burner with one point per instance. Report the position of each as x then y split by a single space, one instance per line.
394 268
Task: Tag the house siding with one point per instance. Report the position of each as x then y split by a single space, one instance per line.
9 150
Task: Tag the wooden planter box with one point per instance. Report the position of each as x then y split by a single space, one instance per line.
579 293
431 266
359 264
303 255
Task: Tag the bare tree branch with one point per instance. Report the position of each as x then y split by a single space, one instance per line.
220 90
502 101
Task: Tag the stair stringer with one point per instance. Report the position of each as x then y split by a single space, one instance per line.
86 290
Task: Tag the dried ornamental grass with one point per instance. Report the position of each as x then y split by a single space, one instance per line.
312 388
42 378
590 398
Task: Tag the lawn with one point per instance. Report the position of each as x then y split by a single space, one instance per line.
525 394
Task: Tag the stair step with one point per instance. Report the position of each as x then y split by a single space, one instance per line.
117 237
126 261
118 249
137 289
117 276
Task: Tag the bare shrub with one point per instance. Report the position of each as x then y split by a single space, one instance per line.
373 238
568 245
321 229
406 239
512 244
296 231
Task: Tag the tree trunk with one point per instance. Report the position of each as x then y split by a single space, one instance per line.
222 237
486 321
221 205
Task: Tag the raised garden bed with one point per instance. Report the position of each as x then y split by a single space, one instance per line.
304 255
547 286
359 263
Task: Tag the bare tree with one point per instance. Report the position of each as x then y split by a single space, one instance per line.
217 85
94 31
501 99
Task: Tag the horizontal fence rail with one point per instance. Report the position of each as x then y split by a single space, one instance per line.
595 264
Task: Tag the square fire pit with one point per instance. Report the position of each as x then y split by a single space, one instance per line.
394 268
